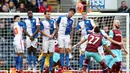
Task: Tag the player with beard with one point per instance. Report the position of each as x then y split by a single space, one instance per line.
116 35
31 28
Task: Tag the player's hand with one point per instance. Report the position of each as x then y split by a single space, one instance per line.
72 48
31 38
50 37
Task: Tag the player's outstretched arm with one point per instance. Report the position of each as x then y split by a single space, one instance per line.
111 40
108 49
78 44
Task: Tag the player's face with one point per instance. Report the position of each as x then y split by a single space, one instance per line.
17 19
84 16
30 14
70 14
48 15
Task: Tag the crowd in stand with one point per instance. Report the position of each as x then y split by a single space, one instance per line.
24 5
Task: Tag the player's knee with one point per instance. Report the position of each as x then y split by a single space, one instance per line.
67 51
51 53
61 50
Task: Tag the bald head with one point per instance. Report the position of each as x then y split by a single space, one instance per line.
116 24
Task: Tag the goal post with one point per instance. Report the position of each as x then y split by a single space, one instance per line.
7 53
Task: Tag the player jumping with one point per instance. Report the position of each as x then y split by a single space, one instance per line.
94 41
65 27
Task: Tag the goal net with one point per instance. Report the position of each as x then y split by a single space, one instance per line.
7 54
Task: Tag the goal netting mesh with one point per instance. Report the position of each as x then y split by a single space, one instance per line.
7 53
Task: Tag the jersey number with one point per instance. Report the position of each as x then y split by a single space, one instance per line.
15 31
92 41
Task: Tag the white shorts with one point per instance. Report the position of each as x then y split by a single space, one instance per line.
30 43
64 41
48 45
19 46
101 52
84 45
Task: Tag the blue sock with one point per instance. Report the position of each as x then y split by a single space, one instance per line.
20 62
67 60
42 62
34 61
51 63
29 60
62 59
16 61
81 61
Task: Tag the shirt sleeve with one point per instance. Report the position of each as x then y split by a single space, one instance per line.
78 26
111 34
20 23
103 33
58 20
41 26
37 21
104 41
24 25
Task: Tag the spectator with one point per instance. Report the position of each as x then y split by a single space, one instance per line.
81 6
6 2
22 8
45 7
33 7
12 8
123 8
5 8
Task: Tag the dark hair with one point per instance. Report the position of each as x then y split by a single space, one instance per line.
44 0
122 2
46 11
72 9
16 16
97 29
